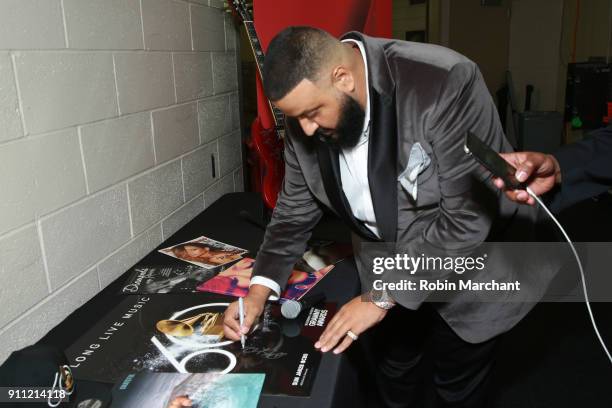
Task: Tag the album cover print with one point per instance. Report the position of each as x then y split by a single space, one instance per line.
167 390
204 252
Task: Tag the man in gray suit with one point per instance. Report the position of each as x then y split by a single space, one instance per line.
375 132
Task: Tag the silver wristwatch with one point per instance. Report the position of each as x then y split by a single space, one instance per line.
381 299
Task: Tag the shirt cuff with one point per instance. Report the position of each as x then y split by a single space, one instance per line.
267 282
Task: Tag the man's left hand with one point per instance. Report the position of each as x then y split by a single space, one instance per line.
357 316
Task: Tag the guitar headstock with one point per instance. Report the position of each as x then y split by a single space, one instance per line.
240 9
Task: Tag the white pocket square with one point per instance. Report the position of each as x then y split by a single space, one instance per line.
418 161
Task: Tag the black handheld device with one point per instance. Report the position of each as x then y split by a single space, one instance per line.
492 161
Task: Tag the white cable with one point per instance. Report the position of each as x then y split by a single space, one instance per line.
584 288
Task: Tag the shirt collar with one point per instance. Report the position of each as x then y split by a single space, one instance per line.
365 133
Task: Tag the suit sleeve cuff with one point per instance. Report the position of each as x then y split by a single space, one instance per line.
267 282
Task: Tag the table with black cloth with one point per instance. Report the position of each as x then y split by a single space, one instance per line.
336 383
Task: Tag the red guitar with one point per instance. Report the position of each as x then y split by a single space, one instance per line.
268 143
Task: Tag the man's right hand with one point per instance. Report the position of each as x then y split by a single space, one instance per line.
539 171
253 307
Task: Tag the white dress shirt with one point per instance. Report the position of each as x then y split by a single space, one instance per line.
354 166
354 175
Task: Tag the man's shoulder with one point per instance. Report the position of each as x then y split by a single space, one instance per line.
431 56
402 52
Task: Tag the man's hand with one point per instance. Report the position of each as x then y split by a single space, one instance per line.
538 170
181 401
357 316
253 307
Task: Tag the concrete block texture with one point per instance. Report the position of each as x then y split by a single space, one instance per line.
10 120
166 25
175 130
198 171
208 29
192 75
22 273
108 24
231 33
217 3
230 152
155 195
116 149
225 74
239 180
235 109
80 235
214 192
128 255
39 175
182 216
61 89
31 24
215 117
144 81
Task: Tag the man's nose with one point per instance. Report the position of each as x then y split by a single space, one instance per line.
308 126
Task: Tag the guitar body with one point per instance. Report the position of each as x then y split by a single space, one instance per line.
269 149
267 130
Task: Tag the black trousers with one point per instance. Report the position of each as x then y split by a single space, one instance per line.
461 370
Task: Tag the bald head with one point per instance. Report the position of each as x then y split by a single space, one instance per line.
295 54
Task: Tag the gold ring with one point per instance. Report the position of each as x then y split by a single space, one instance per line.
352 335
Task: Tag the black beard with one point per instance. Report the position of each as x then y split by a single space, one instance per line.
349 128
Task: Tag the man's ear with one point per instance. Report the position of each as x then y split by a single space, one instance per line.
343 79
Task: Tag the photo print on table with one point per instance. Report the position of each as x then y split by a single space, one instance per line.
169 390
235 280
205 252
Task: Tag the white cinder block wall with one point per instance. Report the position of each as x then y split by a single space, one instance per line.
111 112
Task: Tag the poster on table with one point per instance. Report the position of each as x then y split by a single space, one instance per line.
173 390
183 333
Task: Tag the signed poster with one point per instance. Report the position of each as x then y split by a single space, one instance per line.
183 333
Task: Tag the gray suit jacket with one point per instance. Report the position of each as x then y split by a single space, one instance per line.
418 93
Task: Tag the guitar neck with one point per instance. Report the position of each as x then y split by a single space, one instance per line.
279 117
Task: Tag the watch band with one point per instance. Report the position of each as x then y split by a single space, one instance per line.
381 299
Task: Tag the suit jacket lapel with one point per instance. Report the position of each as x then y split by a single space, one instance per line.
382 165
330 173
383 141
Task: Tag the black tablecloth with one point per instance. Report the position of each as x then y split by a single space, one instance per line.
336 381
